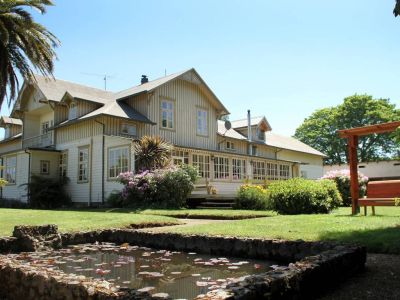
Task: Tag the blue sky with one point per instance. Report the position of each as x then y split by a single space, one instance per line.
281 59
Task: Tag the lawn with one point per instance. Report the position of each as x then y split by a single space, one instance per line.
380 233
73 220
220 214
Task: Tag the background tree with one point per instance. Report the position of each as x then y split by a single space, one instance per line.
320 129
24 44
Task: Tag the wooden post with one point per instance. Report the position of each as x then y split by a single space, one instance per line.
353 161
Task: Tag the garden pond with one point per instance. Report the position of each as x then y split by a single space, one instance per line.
178 274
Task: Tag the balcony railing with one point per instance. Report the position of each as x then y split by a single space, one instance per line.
39 141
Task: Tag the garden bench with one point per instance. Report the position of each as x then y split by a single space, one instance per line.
380 193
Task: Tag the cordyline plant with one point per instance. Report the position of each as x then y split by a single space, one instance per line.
151 153
24 44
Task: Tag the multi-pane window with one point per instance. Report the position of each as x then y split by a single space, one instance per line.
254 150
258 170
202 162
202 122
128 129
44 167
221 167
73 111
284 171
118 161
83 164
167 114
45 127
230 146
272 171
238 169
180 157
11 169
63 164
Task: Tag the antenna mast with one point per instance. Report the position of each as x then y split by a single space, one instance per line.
105 77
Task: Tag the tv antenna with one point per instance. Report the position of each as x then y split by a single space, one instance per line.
104 76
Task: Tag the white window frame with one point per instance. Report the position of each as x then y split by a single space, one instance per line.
259 170
202 122
44 167
10 173
167 114
221 167
128 129
116 162
63 167
284 171
238 169
260 137
272 171
202 162
230 146
83 164
180 157
72 110
45 127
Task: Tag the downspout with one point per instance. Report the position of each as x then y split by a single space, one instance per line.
249 131
102 160
29 174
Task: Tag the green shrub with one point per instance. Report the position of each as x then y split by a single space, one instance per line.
251 197
342 179
302 196
160 188
47 193
115 199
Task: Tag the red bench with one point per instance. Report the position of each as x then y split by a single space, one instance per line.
380 193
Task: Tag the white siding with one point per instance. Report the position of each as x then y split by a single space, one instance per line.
311 164
380 169
16 191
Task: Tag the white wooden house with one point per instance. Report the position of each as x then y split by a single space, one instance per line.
58 128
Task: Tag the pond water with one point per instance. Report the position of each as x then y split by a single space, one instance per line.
179 274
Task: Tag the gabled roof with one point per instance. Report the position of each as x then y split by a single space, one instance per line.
254 121
8 120
55 89
188 75
120 110
290 143
11 138
231 133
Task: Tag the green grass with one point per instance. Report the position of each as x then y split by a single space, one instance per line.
380 233
221 214
73 220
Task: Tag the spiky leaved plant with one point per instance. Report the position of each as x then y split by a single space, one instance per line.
23 44
152 152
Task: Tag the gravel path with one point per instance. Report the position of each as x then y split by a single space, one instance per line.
379 281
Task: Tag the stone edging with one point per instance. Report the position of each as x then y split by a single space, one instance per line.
316 266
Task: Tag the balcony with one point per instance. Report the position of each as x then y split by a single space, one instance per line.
39 141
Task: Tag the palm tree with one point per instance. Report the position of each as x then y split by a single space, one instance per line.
152 152
24 44
396 10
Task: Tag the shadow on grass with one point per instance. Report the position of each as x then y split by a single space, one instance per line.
380 240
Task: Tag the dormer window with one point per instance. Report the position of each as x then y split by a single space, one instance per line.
230 146
260 134
73 111
128 129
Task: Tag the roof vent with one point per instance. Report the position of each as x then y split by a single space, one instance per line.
144 79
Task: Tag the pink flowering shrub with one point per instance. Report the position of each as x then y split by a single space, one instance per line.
342 179
163 188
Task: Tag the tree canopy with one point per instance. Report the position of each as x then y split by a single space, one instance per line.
396 10
320 129
24 44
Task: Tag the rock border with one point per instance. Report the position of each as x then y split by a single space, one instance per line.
312 267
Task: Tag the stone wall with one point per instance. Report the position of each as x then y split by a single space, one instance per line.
310 267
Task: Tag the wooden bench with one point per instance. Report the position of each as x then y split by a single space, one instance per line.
380 193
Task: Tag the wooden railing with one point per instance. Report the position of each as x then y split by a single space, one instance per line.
39 141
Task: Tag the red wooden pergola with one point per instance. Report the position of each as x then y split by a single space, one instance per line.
352 143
